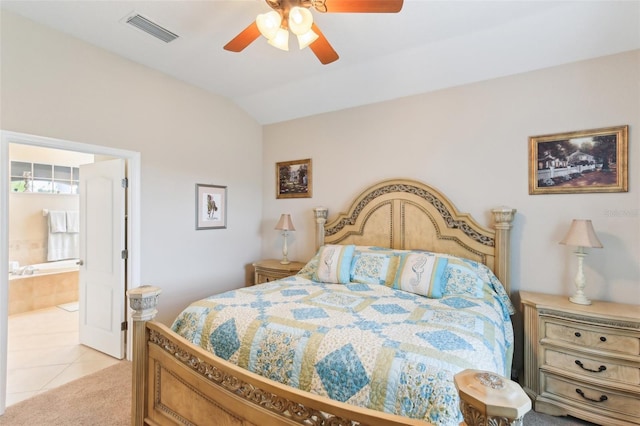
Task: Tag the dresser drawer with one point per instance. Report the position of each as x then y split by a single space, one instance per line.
271 269
591 337
269 276
593 396
592 366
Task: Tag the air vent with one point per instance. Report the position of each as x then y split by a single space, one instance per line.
150 27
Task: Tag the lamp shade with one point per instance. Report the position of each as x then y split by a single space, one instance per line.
300 20
285 223
269 23
280 40
581 234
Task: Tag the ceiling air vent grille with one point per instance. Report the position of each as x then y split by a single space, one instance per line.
151 27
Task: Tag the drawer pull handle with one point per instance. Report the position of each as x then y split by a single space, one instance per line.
602 397
603 339
577 334
599 370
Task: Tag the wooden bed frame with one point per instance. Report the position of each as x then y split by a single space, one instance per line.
176 382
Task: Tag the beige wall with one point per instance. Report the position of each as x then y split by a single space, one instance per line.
56 86
471 142
28 227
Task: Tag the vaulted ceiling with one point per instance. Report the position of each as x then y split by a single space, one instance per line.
428 46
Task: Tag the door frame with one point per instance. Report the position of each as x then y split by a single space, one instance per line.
133 226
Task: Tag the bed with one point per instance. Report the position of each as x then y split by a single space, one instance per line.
318 339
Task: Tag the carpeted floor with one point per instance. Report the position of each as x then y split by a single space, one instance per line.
100 399
104 399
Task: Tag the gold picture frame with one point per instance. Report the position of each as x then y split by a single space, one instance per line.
579 162
294 179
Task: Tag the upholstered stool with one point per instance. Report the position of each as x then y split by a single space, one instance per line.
489 399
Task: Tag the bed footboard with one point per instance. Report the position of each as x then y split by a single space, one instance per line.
178 383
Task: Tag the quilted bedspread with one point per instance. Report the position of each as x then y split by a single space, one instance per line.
368 345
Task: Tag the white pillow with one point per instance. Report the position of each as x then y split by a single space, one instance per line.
334 264
421 273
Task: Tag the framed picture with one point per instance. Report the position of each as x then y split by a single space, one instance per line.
211 206
293 179
579 162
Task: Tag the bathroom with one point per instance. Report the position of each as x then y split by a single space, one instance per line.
44 347
43 180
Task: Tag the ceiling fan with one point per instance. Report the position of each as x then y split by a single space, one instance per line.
295 16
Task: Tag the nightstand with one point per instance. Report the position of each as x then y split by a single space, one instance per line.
582 360
272 269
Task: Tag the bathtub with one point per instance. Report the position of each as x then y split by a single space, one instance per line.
51 284
49 268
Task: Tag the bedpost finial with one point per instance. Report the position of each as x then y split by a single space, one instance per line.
321 214
503 217
143 300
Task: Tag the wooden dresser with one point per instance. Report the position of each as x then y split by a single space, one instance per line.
582 360
272 269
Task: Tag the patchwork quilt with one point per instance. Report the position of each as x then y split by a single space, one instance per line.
365 344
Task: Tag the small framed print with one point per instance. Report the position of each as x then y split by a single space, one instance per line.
211 206
293 179
579 162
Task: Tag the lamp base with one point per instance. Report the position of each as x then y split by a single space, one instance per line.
285 251
580 299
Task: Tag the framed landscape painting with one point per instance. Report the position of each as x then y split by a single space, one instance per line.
579 162
293 179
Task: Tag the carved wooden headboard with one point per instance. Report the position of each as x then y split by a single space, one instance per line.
407 214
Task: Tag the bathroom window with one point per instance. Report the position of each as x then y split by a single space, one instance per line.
63 182
44 178
21 174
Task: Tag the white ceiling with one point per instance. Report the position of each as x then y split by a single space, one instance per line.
428 46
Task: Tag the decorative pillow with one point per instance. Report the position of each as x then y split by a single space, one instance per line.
310 268
334 264
421 273
463 276
374 268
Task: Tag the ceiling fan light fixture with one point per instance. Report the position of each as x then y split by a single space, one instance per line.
300 20
307 38
281 39
269 23
296 16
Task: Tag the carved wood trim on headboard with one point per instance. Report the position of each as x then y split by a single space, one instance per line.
407 214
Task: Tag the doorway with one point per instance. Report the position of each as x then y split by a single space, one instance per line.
132 226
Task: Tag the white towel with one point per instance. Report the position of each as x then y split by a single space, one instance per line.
57 221
63 241
63 245
73 221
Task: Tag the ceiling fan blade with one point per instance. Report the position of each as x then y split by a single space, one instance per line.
321 47
245 38
358 6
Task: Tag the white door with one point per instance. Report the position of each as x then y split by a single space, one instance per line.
102 244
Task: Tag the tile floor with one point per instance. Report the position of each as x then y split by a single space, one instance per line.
43 353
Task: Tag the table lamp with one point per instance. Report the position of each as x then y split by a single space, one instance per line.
285 225
581 235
